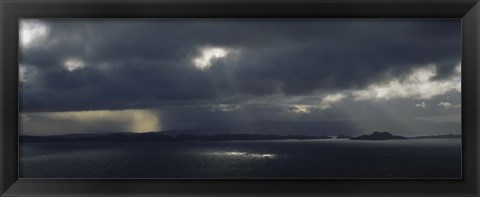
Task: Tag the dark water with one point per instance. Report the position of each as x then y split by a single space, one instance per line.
415 158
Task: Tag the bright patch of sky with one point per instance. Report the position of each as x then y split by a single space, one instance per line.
209 54
421 105
225 107
72 64
301 109
419 84
32 32
448 105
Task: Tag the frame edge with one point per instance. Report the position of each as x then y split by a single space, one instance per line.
471 95
7 182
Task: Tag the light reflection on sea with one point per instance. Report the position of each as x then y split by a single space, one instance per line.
247 155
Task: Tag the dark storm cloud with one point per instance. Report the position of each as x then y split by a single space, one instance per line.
148 63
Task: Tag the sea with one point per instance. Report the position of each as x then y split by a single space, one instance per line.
268 159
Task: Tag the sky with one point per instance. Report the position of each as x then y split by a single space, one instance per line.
270 76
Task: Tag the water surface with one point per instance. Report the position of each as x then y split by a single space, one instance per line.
413 158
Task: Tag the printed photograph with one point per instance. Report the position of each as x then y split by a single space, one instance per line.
202 98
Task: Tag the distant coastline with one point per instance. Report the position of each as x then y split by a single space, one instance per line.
379 136
159 137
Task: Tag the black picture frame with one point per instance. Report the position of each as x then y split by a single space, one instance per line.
12 10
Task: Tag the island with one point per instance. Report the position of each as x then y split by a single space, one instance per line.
448 136
343 137
379 136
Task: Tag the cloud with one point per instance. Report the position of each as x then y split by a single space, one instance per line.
419 84
155 60
301 109
225 107
328 100
72 64
27 73
444 119
32 32
448 105
421 105
23 70
208 54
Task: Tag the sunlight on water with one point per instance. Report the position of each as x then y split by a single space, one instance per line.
245 155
